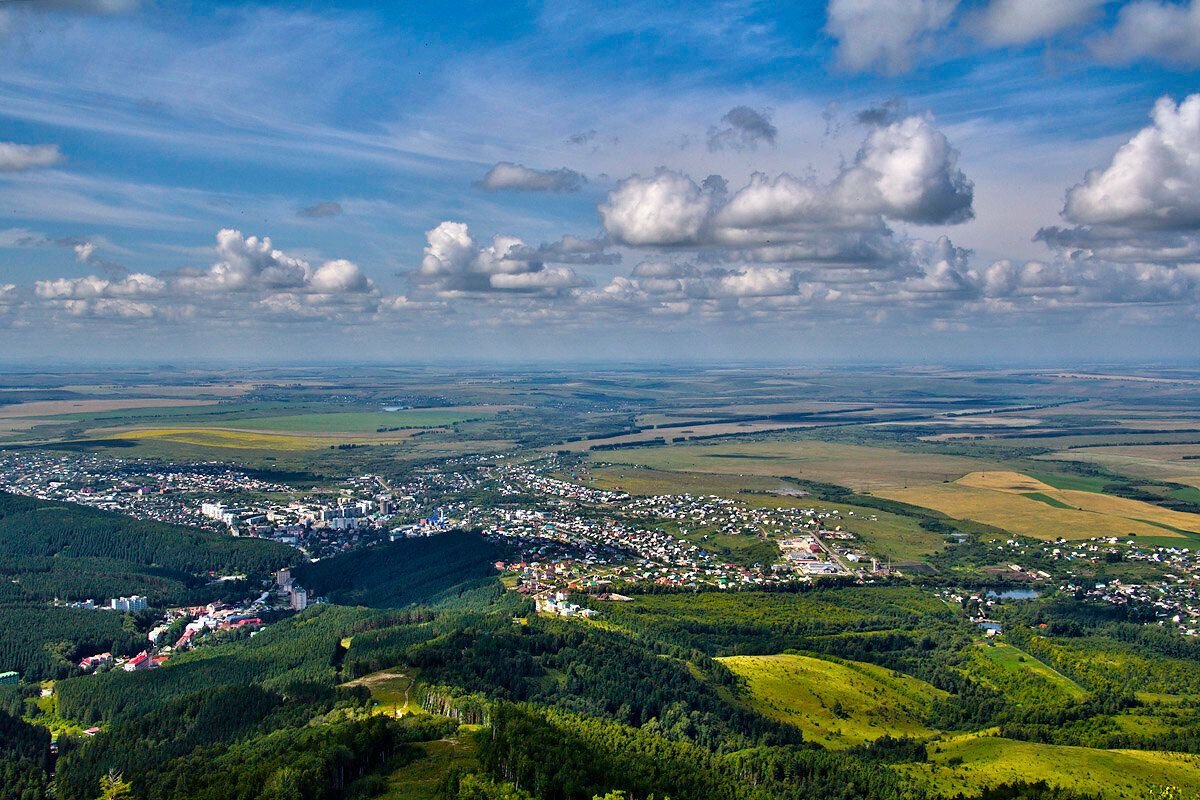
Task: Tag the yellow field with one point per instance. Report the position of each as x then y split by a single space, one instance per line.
837 704
861 468
227 438
996 498
989 760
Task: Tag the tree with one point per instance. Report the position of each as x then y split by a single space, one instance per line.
114 787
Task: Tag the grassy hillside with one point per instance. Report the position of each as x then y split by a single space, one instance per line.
837 704
970 762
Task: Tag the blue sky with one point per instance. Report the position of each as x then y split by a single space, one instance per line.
894 180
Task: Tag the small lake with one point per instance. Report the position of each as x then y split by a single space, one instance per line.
1014 594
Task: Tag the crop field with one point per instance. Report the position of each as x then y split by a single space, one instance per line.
859 467
227 439
836 704
969 762
1020 676
56 408
1024 505
1163 462
353 421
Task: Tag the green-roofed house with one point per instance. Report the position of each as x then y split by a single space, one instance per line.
9 678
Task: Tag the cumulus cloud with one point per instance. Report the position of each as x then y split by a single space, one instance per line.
885 35
1153 180
453 263
327 208
517 177
744 129
20 157
1151 30
250 277
1011 22
905 171
908 171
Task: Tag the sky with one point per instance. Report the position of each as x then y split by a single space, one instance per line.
867 181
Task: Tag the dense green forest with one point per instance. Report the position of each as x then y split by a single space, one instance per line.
403 572
554 709
56 551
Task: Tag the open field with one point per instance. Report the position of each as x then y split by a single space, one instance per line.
969 762
1020 676
1003 499
889 536
683 434
392 690
352 421
232 439
1161 462
859 467
419 779
51 408
836 704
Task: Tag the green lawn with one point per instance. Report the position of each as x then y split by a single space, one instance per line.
837 704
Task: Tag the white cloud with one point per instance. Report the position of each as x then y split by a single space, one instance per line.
20 157
453 262
885 35
1153 180
1009 22
908 171
517 177
665 209
1154 31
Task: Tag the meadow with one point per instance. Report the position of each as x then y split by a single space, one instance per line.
967 763
837 704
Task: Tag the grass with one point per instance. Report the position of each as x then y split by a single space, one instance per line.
419 779
227 439
351 421
837 704
1003 499
1021 677
1047 499
970 762
859 467
391 689
889 536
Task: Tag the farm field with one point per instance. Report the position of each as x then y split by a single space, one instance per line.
1162 462
969 762
230 439
1003 499
836 704
354 421
856 466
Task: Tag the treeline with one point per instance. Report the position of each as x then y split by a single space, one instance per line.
556 755
43 642
405 572
75 552
24 759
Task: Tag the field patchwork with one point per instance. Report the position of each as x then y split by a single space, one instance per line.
1028 507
